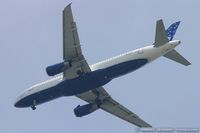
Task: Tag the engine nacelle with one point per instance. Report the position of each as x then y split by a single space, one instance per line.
58 68
80 111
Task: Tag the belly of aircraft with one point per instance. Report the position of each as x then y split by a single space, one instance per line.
125 67
83 83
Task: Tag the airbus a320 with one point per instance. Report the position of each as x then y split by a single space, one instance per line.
86 82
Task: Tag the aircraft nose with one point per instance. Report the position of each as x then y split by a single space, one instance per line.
19 103
16 104
22 102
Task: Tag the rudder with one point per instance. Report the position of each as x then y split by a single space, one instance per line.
160 36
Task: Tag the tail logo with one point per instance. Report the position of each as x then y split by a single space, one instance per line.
172 30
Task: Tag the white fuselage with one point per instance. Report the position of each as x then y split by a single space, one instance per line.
149 53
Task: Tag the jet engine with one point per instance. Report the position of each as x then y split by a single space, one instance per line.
83 110
58 68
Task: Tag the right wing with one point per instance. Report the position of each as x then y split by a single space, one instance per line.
71 46
111 106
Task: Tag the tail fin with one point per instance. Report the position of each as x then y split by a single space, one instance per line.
161 36
172 30
175 56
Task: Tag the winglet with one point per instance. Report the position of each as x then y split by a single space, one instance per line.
161 36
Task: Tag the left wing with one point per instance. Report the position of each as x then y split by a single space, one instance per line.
111 106
71 46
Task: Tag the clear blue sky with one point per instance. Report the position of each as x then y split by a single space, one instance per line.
164 93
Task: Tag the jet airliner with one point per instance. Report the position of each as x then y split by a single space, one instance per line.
86 81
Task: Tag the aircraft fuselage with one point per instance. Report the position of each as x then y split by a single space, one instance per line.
102 73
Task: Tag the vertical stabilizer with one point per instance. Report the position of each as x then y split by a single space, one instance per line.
161 36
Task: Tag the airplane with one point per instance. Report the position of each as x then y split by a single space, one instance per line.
86 82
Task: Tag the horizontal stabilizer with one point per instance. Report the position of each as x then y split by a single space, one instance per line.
175 56
161 36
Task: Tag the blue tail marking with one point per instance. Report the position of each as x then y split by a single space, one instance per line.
172 30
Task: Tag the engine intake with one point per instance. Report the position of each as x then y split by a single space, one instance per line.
58 68
83 110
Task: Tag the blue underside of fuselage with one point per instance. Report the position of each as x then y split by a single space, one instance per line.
89 81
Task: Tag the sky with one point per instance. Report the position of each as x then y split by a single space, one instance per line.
163 93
